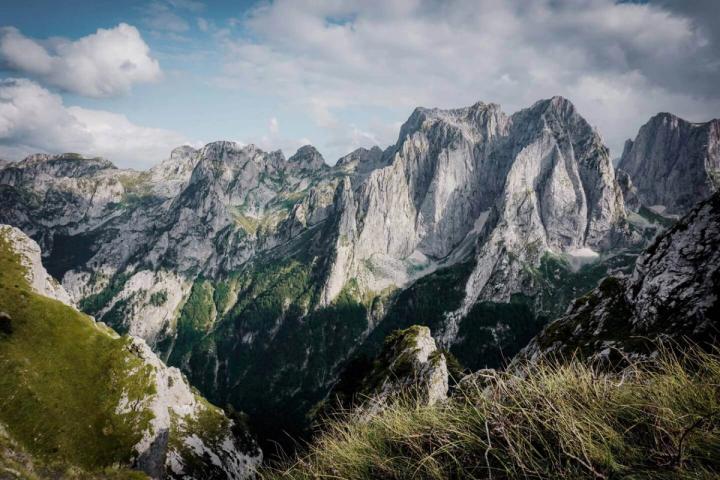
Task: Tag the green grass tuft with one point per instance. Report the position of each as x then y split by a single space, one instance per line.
657 419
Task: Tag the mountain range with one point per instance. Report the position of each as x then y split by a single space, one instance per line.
263 279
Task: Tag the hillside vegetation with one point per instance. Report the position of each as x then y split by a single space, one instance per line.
78 401
62 376
655 419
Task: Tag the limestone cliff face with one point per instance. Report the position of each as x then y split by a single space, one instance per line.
508 188
458 183
672 293
45 192
422 199
146 235
170 176
673 163
186 437
559 196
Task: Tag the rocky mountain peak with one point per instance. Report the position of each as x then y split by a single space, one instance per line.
557 114
223 150
64 165
559 104
181 162
475 122
172 174
182 152
307 157
673 163
361 162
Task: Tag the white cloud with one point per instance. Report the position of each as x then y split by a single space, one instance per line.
619 63
274 126
170 19
102 64
32 120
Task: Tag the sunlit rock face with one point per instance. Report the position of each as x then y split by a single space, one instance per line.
508 188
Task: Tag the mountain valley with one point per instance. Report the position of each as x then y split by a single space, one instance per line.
266 280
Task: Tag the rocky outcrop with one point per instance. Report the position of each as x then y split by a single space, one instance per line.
673 163
35 274
170 176
184 437
672 294
177 444
410 366
307 158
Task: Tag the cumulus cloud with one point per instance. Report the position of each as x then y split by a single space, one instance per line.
618 62
32 120
105 63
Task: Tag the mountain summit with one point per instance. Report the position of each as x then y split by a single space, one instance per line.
673 163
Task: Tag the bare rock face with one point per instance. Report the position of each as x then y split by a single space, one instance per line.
458 183
146 236
474 181
171 175
673 292
307 158
673 163
559 196
176 441
59 191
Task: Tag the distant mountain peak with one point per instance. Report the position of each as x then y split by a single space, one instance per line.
307 157
673 163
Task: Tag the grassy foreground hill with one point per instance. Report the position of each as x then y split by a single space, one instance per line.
654 419
79 401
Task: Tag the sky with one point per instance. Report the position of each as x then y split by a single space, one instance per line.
131 80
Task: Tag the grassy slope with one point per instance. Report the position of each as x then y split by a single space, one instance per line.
654 420
63 377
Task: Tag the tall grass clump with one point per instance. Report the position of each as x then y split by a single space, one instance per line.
657 419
